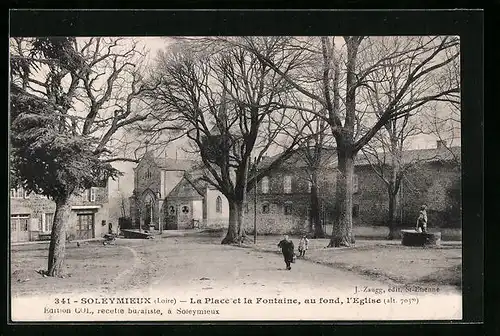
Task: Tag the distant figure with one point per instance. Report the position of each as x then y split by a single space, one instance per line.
110 228
303 246
422 219
287 248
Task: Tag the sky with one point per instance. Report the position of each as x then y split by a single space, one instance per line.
125 184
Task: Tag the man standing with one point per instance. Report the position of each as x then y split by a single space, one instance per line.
422 219
287 248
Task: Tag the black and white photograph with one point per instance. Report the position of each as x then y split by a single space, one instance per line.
221 178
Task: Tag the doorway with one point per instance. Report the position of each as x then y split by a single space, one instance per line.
19 225
85 226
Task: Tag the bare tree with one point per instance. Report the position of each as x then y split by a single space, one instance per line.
342 72
385 152
386 155
82 92
229 104
314 152
443 118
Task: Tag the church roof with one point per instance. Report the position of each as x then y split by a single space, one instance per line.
186 189
172 164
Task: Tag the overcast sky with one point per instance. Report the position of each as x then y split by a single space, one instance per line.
155 44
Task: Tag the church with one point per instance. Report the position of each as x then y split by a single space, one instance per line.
170 194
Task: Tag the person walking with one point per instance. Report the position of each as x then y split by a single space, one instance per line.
287 248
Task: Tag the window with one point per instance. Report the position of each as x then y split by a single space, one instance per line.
185 209
19 222
92 194
45 224
355 210
288 208
148 174
265 185
218 205
355 183
172 210
287 184
18 193
265 208
86 195
49 220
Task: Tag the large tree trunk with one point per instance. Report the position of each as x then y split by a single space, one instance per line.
392 215
235 212
57 246
342 227
315 212
393 186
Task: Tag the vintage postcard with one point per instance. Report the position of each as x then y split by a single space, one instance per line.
235 178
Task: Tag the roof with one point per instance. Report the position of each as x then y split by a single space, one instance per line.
172 164
185 188
196 182
329 157
415 155
298 159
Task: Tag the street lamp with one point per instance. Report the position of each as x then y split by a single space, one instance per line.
255 203
158 195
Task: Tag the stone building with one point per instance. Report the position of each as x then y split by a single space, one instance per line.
31 215
433 177
281 201
170 194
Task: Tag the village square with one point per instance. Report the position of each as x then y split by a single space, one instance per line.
263 165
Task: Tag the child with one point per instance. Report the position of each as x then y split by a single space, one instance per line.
422 219
303 245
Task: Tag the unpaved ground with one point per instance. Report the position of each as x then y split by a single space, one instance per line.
201 263
386 260
90 266
199 268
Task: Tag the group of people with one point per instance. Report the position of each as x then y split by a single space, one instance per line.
288 249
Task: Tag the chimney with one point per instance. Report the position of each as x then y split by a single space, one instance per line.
440 144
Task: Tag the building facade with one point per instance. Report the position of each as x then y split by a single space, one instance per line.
281 201
32 215
170 195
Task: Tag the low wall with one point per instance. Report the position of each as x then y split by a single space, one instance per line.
381 232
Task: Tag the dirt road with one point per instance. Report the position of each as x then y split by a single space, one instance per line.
197 269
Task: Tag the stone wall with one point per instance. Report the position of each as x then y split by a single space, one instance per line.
434 184
430 183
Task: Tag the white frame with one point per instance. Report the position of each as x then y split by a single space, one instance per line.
265 185
287 184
